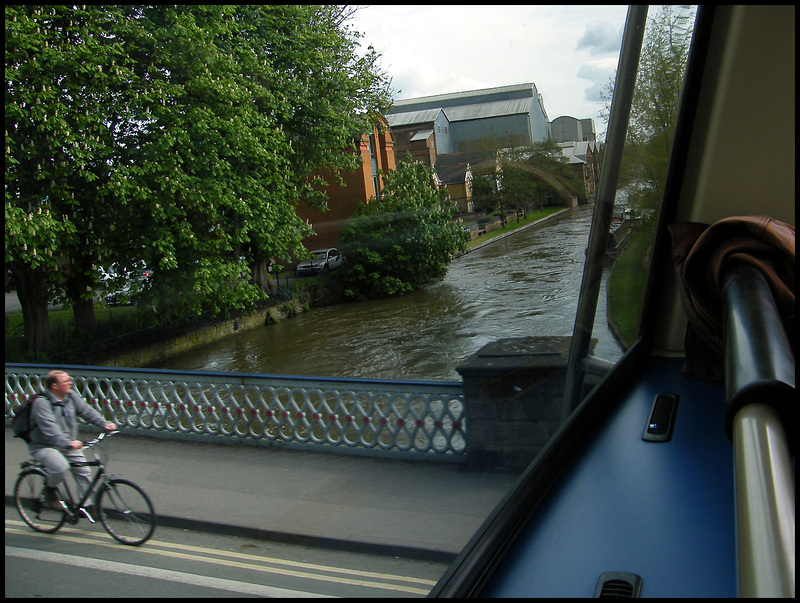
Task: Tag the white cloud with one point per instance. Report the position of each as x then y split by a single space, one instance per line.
601 37
438 49
600 74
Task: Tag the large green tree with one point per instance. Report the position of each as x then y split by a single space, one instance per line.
532 172
176 136
64 70
402 241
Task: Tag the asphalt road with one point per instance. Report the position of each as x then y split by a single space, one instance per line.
83 561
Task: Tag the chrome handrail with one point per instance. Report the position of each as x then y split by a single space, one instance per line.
765 514
759 396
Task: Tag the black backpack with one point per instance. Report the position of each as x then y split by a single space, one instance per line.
22 421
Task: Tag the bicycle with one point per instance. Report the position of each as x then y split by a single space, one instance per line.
122 507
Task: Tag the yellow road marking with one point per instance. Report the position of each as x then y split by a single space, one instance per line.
73 535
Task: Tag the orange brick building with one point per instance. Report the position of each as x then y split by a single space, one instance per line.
377 156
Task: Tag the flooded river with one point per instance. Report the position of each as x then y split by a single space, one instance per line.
524 284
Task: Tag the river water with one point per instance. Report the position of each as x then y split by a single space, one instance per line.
524 284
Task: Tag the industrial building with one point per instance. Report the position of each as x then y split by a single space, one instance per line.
461 122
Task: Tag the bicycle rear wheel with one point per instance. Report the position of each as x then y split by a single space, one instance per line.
126 512
31 504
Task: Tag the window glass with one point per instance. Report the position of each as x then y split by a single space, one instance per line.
520 96
500 320
643 172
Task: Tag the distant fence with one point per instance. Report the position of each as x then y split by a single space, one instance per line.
410 419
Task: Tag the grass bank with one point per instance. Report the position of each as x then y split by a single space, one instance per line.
625 289
113 323
513 225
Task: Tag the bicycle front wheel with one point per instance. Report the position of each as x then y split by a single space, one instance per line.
126 512
31 504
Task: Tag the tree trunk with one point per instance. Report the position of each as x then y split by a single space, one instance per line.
262 276
83 312
32 290
78 285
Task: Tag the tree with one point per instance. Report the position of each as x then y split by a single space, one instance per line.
547 165
253 101
176 136
63 70
655 104
517 186
402 241
527 174
484 189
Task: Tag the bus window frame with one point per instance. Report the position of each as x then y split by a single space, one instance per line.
473 567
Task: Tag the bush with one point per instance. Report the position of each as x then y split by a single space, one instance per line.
405 240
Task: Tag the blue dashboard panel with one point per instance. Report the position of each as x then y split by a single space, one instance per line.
663 511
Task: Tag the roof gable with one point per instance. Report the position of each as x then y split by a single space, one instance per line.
456 173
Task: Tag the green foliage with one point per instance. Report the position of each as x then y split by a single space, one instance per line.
518 186
528 175
548 164
484 189
402 241
181 137
655 104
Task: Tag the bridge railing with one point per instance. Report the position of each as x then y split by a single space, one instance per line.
415 419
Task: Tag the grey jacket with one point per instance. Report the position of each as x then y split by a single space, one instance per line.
55 424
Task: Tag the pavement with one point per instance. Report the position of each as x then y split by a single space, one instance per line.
425 510
13 305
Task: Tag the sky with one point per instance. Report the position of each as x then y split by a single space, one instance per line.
569 52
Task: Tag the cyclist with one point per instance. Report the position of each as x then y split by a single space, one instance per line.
54 434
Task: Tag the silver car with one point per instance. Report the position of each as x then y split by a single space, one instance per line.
324 260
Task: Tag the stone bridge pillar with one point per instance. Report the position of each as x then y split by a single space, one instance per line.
513 391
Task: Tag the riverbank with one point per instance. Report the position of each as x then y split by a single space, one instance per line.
145 355
157 352
156 349
511 228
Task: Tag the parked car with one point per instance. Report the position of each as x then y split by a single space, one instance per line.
324 260
124 285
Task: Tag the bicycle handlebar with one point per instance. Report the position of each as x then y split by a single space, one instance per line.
99 438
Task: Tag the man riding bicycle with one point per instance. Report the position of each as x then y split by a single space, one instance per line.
54 434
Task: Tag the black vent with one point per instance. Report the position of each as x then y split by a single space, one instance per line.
618 585
662 418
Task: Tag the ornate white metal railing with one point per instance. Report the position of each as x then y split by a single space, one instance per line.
405 417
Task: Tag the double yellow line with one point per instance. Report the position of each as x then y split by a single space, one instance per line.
268 565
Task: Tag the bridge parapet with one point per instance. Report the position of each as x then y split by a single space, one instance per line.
423 420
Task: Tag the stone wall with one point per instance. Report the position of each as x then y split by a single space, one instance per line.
164 350
513 392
